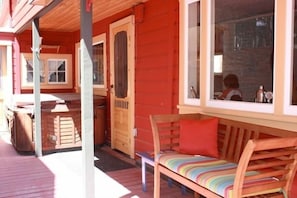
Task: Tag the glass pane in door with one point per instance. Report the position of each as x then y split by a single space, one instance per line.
121 64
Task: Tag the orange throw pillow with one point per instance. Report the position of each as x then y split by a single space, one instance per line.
199 137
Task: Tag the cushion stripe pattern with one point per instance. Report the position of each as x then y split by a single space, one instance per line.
211 173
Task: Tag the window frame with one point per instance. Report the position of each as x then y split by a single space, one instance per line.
283 66
206 58
56 71
223 104
97 89
44 58
289 109
183 87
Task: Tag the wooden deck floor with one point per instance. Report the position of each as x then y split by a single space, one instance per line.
58 176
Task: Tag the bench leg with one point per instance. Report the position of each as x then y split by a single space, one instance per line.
156 182
143 173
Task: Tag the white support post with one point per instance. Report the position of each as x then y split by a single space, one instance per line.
36 89
86 68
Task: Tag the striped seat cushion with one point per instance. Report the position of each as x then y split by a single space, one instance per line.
211 173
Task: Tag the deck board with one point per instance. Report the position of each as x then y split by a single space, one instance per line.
59 176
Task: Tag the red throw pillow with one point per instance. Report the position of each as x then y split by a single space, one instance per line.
199 137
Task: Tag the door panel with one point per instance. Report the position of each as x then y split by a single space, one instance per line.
122 85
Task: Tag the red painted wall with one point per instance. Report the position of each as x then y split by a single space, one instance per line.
156 74
65 40
156 63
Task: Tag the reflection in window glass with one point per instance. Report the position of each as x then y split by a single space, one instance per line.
244 36
29 67
56 70
294 83
98 69
193 53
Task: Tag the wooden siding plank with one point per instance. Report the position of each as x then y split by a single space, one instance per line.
156 66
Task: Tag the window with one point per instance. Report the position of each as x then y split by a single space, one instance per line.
246 41
237 39
55 71
29 73
242 33
99 65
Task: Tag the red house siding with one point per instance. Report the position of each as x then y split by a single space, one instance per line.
156 71
16 76
64 40
156 63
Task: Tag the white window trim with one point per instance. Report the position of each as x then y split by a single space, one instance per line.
48 85
8 62
66 63
98 89
184 86
223 104
205 99
288 108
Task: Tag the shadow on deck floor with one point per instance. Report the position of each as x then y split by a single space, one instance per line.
58 175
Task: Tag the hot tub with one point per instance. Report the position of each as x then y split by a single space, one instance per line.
60 121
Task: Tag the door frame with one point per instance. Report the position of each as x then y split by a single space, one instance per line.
6 76
131 79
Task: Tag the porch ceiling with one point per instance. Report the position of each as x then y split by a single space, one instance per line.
65 17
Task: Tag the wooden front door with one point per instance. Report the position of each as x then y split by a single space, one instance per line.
122 85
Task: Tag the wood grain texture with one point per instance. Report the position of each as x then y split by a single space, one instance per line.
58 176
271 152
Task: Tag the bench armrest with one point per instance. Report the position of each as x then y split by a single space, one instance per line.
274 158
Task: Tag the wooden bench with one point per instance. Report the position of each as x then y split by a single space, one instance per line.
258 153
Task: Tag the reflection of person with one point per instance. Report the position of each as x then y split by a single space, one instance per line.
232 91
